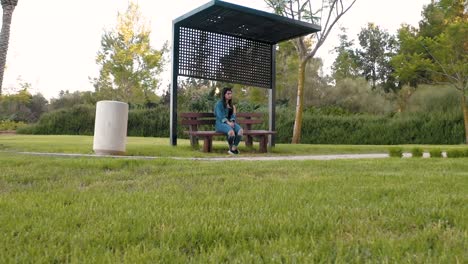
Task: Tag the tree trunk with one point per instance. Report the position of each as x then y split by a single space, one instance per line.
465 116
296 139
5 39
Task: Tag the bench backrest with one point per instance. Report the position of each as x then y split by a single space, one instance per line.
194 120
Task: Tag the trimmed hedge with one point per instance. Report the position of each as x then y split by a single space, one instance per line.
435 153
375 130
316 128
77 120
149 122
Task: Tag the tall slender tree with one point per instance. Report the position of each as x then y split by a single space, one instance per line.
346 61
377 48
8 8
308 46
129 65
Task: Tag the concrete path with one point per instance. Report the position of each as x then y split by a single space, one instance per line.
240 157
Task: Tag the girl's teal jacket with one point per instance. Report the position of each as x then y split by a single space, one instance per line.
221 113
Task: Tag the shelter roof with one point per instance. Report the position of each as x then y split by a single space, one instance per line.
239 21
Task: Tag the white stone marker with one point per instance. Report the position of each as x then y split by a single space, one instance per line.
110 128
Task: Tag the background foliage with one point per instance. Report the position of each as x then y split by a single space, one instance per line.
383 88
325 125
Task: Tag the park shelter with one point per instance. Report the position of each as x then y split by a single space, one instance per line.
230 43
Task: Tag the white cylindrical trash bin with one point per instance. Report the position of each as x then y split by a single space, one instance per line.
110 128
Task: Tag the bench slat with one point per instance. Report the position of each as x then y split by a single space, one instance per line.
206 114
197 122
204 133
212 121
249 121
258 132
246 133
257 115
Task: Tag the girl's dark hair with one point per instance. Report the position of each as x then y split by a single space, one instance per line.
223 97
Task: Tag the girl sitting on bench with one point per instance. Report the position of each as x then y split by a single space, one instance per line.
225 114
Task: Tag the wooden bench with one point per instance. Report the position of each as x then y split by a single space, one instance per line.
197 121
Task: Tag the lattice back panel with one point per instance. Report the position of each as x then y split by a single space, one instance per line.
220 57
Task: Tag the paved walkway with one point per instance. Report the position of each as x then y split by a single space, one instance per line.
240 157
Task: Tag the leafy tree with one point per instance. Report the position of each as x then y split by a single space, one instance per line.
346 62
411 63
21 106
437 15
15 107
129 65
377 48
449 52
439 48
38 106
307 47
68 100
8 8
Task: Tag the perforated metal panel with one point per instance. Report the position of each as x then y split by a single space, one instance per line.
214 56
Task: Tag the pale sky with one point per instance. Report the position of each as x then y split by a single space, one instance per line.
53 43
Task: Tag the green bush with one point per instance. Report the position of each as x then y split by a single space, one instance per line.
435 153
417 152
395 152
10 125
77 120
431 98
455 153
355 96
465 153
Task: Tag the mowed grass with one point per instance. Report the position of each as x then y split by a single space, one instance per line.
160 147
87 210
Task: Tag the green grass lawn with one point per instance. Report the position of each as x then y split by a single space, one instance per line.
141 146
82 210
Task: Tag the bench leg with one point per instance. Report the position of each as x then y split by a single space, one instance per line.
194 141
208 144
263 142
248 141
